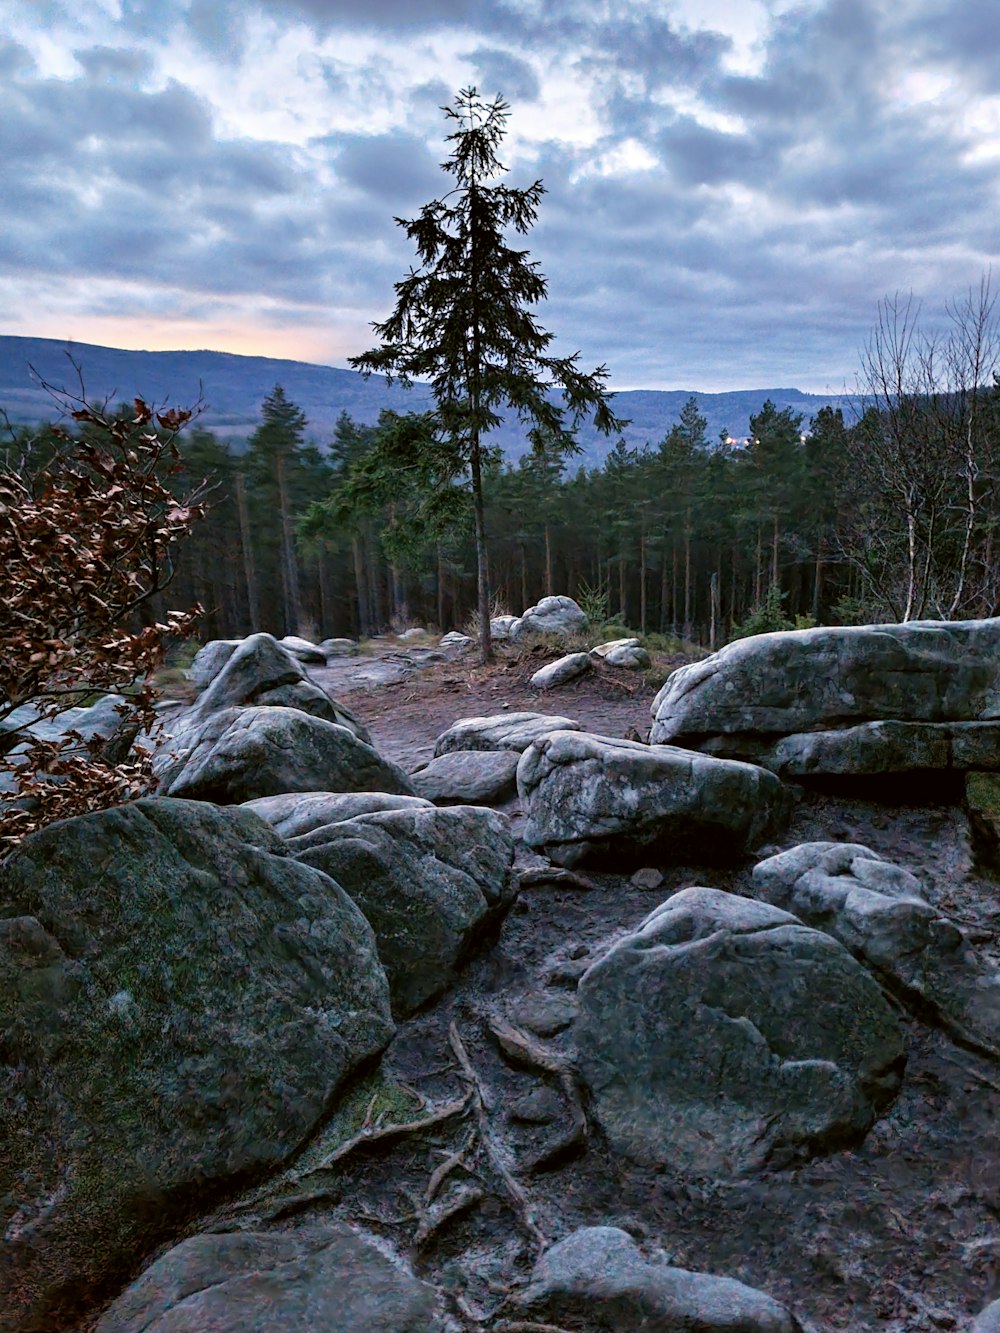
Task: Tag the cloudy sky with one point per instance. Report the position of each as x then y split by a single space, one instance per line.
732 184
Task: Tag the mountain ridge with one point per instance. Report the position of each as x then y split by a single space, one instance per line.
234 385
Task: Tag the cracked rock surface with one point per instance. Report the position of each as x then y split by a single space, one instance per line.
723 1035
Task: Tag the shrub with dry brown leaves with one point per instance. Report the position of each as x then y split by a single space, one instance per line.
86 544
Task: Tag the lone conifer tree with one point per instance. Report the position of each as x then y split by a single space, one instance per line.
463 319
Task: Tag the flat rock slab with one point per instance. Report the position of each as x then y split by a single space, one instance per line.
598 797
240 754
299 815
468 777
876 910
600 1276
918 679
432 882
180 1000
501 731
562 671
315 1278
723 1036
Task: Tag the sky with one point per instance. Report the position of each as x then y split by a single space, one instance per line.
731 185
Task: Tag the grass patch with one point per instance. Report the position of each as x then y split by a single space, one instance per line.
982 793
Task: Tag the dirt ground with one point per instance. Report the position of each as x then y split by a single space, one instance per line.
900 1234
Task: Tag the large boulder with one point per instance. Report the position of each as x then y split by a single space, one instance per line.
876 910
560 616
598 797
259 671
502 731
180 1001
561 671
468 777
325 1276
600 1276
500 627
298 815
431 883
723 1035
239 754
849 700
303 650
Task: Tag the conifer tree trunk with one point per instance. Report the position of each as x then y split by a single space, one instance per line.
289 568
361 589
642 581
440 588
249 573
687 575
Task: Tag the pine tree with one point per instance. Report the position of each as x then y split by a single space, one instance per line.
464 319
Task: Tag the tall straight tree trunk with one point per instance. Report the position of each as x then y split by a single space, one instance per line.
482 569
325 593
758 570
687 576
289 567
249 574
714 612
548 560
674 618
622 608
817 579
774 552
440 587
664 590
733 586
361 589
642 581
524 579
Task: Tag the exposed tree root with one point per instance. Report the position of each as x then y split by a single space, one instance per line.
523 1049
372 1133
481 1106
972 1073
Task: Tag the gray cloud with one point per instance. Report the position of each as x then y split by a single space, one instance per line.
396 168
502 72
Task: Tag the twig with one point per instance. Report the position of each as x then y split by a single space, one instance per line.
552 875
972 1073
480 1105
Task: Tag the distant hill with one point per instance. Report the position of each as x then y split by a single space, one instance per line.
234 386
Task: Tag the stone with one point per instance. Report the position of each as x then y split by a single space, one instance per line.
648 877
456 641
501 731
540 1106
180 1002
722 1036
500 627
255 665
544 1014
876 909
600 798
296 816
209 661
848 700
319 1277
432 883
560 672
560 616
414 635
629 659
338 648
468 777
988 1320
238 754
602 649
599 1275
302 649
309 698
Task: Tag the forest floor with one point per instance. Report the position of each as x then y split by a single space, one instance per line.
902 1234
899 1234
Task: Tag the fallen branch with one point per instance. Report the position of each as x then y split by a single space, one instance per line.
481 1105
441 1173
